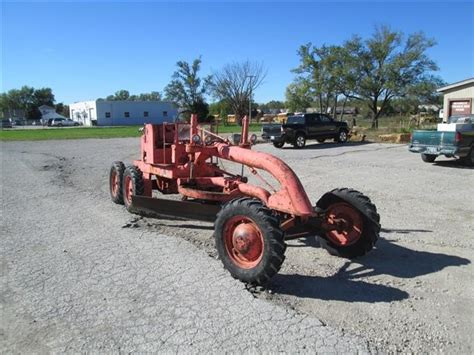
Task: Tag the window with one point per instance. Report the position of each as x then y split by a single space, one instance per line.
107 115
295 120
325 118
126 114
165 113
145 114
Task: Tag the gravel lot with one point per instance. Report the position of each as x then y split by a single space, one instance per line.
81 274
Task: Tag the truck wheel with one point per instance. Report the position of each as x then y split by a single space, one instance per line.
249 240
428 158
278 144
342 136
300 141
115 182
469 160
132 185
360 223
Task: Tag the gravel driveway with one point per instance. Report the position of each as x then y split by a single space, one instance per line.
81 274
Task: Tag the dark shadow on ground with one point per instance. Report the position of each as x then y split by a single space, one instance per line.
193 226
404 231
337 287
327 145
452 164
388 258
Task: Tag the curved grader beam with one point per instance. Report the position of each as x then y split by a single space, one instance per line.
291 198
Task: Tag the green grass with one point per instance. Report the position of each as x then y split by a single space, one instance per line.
237 129
89 132
68 133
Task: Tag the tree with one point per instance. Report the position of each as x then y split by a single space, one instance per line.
125 95
220 108
62 109
122 95
187 89
152 96
298 96
235 82
27 99
389 67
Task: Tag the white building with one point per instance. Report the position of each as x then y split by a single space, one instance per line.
122 113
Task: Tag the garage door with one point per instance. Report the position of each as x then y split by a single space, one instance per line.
459 107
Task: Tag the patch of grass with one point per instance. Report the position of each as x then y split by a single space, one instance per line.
90 132
237 129
68 133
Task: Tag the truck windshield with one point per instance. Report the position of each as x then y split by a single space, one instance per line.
295 119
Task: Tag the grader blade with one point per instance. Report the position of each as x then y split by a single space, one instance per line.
172 208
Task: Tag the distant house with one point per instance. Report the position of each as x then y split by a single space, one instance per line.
47 113
458 98
348 110
122 113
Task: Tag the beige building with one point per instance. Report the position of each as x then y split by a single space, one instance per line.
458 98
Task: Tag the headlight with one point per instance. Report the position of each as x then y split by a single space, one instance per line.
253 138
196 139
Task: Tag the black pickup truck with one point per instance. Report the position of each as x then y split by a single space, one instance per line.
299 128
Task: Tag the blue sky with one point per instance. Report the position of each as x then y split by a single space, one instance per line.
85 50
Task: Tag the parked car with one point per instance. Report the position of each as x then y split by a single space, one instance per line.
60 122
454 139
6 124
299 128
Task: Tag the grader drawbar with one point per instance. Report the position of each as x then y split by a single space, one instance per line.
251 222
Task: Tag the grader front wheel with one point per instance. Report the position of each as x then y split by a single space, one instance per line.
352 222
249 240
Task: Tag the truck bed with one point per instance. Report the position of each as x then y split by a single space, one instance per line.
449 144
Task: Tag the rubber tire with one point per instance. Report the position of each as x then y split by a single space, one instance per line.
428 158
273 239
296 140
344 137
119 168
278 144
370 232
469 160
320 140
138 185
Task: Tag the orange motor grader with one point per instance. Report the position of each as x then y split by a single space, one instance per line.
251 221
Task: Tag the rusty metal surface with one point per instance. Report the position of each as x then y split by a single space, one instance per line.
291 198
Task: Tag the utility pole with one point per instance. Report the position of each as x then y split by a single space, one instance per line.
250 97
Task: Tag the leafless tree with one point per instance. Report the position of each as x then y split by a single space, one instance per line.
235 82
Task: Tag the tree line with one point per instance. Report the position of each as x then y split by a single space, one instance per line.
374 72
386 72
28 100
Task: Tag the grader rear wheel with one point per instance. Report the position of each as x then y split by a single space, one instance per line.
249 240
115 182
132 184
357 223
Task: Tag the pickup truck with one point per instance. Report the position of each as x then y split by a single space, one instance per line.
299 128
453 140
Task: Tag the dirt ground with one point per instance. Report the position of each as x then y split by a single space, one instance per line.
413 293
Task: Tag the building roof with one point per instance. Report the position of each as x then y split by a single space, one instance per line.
48 112
455 85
